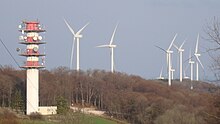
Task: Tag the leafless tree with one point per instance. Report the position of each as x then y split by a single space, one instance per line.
212 29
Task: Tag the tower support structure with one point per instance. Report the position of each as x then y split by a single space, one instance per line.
31 38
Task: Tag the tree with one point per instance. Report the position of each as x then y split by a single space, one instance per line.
62 106
213 33
17 101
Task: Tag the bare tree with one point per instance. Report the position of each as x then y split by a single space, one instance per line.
212 30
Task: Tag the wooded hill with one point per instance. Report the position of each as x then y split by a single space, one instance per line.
126 97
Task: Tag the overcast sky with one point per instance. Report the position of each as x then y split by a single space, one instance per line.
142 24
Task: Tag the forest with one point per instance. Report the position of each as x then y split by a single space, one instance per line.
125 97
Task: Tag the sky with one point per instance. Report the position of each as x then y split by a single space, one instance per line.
142 25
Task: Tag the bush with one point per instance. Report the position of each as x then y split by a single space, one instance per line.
36 116
7 117
62 106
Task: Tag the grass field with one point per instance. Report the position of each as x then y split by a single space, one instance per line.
75 119
9 117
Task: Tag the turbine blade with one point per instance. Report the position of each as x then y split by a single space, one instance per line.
197 42
72 31
182 44
161 48
82 28
176 47
171 60
190 55
200 62
186 68
172 42
167 55
103 46
71 57
113 35
161 71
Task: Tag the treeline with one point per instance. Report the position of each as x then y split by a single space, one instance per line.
122 96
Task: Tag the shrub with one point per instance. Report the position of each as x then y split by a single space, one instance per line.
62 106
36 116
7 117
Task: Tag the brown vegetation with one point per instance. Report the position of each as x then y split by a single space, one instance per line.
122 96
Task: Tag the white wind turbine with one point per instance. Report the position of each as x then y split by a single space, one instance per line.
111 46
184 72
191 66
172 69
76 36
168 55
161 77
180 51
197 55
172 73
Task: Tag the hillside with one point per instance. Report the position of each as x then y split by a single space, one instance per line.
122 96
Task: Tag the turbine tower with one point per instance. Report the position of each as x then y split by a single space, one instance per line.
172 73
197 55
180 51
76 36
31 38
172 69
111 47
191 66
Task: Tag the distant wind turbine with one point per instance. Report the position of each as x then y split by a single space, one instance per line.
76 36
172 69
172 73
191 65
184 72
168 55
161 77
180 51
111 46
197 55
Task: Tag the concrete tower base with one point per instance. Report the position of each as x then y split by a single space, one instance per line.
32 91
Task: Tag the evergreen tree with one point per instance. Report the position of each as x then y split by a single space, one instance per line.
18 102
62 106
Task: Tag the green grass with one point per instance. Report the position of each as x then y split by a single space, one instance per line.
99 120
35 122
73 118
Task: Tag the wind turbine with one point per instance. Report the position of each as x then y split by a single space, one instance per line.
191 65
184 72
185 76
172 69
76 36
168 55
180 51
172 73
197 55
111 47
161 77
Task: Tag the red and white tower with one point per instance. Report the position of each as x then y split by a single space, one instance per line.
31 38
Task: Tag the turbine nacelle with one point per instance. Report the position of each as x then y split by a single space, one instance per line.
78 36
186 77
160 78
191 62
197 54
169 51
112 46
181 50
